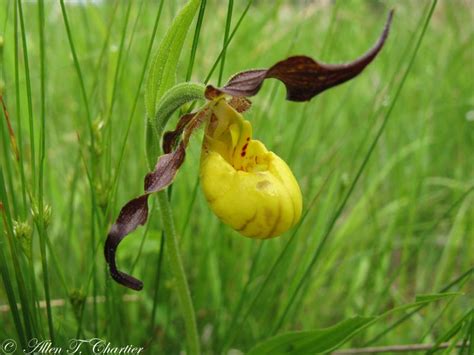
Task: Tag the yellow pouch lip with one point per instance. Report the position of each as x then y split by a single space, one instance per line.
247 186
256 204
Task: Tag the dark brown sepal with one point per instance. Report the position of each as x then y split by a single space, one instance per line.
303 77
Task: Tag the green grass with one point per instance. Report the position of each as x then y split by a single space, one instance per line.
384 163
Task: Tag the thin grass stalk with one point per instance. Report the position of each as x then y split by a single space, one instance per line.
95 213
226 36
94 245
132 38
341 207
78 71
156 287
108 120
29 95
23 211
197 33
72 187
40 221
7 135
189 210
330 30
234 31
275 85
299 128
103 51
5 20
57 266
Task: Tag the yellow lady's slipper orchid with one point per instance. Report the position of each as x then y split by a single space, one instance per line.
247 187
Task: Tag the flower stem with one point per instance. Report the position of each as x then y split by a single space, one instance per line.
174 98
179 275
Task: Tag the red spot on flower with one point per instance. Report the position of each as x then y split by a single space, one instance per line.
244 148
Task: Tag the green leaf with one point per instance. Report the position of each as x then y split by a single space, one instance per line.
162 73
328 339
432 297
172 100
312 341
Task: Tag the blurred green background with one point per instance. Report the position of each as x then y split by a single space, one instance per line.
406 229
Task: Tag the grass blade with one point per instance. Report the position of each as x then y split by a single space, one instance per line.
197 33
226 36
40 221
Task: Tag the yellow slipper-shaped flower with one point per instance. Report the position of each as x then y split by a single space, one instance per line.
247 187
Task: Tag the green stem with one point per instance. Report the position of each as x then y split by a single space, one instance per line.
171 101
28 94
43 236
234 31
176 266
226 37
197 33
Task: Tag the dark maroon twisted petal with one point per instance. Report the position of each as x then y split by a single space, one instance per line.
303 77
170 137
135 212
